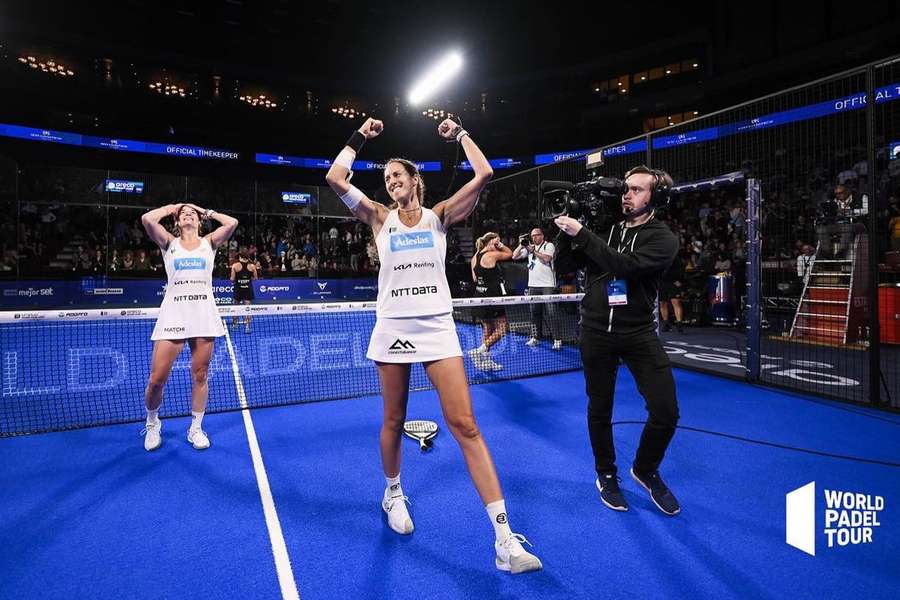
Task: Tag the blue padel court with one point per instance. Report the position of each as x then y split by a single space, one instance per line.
89 513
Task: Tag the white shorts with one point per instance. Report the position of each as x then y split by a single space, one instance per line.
414 339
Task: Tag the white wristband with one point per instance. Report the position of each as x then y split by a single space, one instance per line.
352 198
345 158
209 213
459 136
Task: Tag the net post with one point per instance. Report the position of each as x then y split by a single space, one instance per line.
754 310
874 349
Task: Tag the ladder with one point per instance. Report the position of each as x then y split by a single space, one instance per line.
824 308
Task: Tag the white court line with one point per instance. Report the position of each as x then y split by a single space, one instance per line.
279 549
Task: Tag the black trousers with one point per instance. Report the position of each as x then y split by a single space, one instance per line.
644 355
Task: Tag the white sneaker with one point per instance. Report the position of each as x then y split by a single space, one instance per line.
397 515
152 435
483 361
512 557
198 438
557 344
490 364
532 341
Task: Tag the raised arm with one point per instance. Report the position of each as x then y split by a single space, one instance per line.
156 232
461 204
501 252
338 177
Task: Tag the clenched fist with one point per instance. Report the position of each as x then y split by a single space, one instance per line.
371 128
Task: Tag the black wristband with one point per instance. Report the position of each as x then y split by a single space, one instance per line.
356 141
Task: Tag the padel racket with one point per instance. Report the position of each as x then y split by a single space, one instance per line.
422 431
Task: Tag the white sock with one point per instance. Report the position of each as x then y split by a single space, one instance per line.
393 486
152 415
497 512
196 419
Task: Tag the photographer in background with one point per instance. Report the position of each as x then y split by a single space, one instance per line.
623 267
541 282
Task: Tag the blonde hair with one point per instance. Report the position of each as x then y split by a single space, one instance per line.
481 242
413 171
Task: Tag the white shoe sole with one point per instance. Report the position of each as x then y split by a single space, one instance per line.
528 565
195 447
607 504
156 447
661 509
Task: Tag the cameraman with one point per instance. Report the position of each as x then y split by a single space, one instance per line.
622 273
541 282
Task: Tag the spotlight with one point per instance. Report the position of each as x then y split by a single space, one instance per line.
436 77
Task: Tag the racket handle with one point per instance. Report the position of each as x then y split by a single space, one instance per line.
422 445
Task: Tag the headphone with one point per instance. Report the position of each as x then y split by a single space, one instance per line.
659 197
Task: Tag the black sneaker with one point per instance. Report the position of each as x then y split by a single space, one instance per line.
660 494
610 494
679 327
666 326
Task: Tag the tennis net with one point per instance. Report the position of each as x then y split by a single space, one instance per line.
81 368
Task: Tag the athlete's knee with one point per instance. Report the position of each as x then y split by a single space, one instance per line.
155 384
463 426
394 421
199 375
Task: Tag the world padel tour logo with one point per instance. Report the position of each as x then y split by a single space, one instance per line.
411 241
183 264
848 519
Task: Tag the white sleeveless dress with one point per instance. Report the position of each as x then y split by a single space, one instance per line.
189 308
414 310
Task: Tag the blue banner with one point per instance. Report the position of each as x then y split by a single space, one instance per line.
555 157
98 291
626 148
40 135
124 186
114 144
496 163
88 141
306 162
849 103
296 198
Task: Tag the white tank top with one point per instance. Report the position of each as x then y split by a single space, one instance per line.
189 307
412 281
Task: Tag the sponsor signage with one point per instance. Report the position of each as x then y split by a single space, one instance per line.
401 242
124 186
150 292
309 162
296 198
89 141
831 518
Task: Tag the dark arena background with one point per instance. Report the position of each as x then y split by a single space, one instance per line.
780 126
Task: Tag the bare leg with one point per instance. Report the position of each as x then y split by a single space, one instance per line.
448 376
676 304
201 353
164 354
395 392
664 310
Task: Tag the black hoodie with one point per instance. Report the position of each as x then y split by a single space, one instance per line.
639 255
